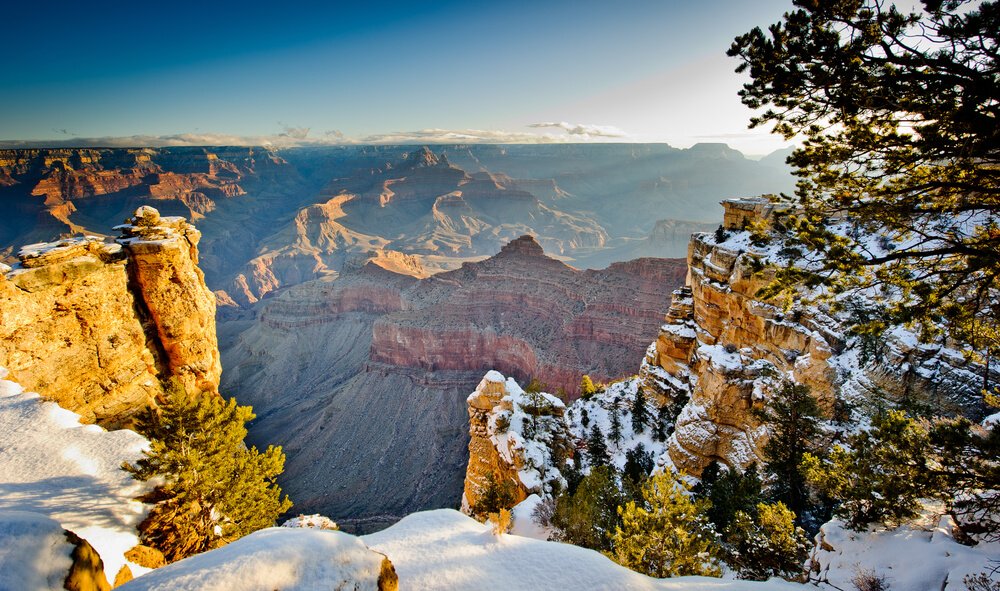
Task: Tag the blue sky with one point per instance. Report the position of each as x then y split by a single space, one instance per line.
379 71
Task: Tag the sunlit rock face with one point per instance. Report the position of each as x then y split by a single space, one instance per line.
99 326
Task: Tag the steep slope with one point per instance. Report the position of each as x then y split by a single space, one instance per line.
399 356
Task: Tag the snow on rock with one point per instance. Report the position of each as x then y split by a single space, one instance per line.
53 465
919 556
447 551
289 559
516 437
34 552
315 521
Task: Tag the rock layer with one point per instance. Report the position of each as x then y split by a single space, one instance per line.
97 327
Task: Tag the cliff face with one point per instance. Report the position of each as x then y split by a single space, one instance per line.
96 327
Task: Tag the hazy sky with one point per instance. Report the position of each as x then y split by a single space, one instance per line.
371 71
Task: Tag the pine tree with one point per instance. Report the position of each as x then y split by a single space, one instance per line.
584 418
883 475
496 496
640 414
616 425
729 492
597 448
667 534
587 387
588 517
793 416
213 488
638 464
764 542
663 416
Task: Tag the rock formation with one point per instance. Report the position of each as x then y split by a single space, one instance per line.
373 361
98 327
516 438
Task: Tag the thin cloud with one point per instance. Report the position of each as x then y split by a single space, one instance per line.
292 137
582 129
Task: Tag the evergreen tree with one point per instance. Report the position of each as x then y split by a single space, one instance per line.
638 464
899 111
765 542
584 418
213 489
793 417
496 496
616 425
969 456
729 492
597 448
640 414
588 516
882 476
587 387
663 419
666 534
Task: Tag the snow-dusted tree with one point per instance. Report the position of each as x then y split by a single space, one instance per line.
667 534
640 414
765 542
616 425
214 489
589 515
597 448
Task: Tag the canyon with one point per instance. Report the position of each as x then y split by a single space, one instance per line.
363 379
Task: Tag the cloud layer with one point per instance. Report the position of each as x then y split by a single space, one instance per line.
303 136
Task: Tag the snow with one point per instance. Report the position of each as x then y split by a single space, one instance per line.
52 464
34 552
289 559
315 521
447 551
524 523
40 248
621 396
920 556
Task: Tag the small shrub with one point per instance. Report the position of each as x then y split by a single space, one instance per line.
501 521
866 579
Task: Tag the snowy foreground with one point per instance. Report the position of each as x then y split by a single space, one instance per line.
70 473
445 549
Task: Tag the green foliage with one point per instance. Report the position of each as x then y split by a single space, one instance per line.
616 425
666 534
793 417
899 112
214 489
729 492
765 542
535 385
883 474
969 457
597 448
587 387
638 464
640 414
588 516
496 496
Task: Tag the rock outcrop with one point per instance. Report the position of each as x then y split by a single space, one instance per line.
517 439
98 327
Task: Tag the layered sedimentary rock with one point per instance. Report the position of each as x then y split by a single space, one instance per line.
97 327
373 361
